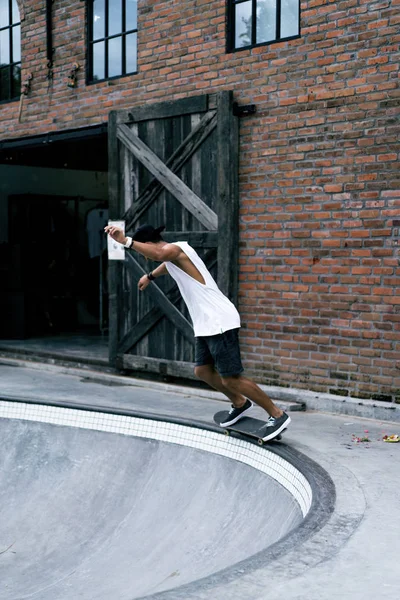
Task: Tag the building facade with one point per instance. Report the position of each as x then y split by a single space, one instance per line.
319 183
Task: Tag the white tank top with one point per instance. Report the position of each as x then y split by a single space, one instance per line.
211 312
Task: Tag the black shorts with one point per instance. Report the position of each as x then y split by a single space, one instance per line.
220 350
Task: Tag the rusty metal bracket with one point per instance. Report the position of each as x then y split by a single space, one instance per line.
243 111
73 76
26 88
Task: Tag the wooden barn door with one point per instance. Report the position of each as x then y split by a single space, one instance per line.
174 164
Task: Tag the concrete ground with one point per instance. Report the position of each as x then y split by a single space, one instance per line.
353 557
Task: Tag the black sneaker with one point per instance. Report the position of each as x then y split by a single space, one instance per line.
235 414
275 426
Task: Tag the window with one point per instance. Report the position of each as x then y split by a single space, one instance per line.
112 38
10 50
256 22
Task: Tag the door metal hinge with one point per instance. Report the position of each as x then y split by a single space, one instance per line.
244 110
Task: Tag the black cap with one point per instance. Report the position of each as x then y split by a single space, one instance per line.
147 233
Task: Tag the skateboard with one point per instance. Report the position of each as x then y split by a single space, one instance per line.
248 427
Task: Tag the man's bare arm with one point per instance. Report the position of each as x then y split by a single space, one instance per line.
152 251
156 253
160 270
144 280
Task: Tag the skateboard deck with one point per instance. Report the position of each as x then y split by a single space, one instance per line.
248 427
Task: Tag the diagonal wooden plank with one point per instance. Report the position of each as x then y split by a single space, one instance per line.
145 325
153 316
175 162
170 181
170 311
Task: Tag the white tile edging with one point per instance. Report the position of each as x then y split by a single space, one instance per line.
257 457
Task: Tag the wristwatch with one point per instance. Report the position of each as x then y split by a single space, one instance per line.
150 276
129 242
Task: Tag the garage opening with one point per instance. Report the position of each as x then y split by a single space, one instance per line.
53 263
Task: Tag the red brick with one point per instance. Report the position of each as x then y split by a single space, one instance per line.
319 186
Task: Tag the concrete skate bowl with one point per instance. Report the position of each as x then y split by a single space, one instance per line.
102 506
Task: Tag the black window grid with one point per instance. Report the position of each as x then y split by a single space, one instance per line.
91 42
6 69
231 27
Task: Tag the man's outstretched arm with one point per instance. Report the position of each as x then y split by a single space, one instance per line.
152 251
161 270
144 281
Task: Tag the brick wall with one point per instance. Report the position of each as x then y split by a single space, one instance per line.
319 172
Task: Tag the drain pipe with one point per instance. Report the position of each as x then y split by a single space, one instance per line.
49 33
49 41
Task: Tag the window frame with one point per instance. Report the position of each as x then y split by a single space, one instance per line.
11 64
231 26
121 35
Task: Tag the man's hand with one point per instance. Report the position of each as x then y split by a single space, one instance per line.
143 283
116 233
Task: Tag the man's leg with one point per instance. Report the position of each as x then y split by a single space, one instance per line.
236 388
208 374
240 385
225 352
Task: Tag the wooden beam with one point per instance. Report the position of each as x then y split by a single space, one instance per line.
114 266
130 175
173 368
170 311
140 113
114 180
228 196
171 182
173 108
175 162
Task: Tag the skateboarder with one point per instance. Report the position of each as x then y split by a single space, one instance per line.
216 323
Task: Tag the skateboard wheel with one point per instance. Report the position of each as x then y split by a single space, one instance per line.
260 442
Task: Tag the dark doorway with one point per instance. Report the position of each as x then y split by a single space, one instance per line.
57 266
54 274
